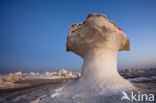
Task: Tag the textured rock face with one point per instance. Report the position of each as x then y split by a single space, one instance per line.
96 32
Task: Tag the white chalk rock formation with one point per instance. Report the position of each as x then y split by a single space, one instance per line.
97 40
47 74
54 73
18 74
63 72
32 74
69 75
78 75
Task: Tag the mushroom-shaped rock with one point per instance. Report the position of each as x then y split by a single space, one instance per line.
97 40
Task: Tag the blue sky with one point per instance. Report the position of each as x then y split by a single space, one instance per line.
33 32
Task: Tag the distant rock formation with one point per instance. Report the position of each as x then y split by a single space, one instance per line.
11 79
78 74
15 77
66 73
15 80
63 72
1 81
32 74
18 73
